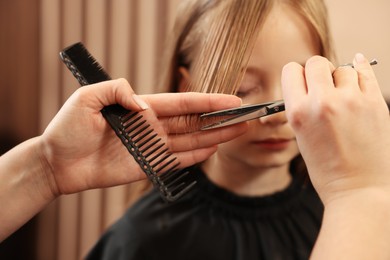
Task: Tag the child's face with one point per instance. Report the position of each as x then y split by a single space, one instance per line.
270 141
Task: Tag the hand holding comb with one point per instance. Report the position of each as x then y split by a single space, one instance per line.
142 142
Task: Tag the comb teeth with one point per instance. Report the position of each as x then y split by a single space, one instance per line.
147 148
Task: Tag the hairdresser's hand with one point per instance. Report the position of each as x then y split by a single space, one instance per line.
80 151
342 126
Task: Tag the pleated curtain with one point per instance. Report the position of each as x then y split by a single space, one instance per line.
126 37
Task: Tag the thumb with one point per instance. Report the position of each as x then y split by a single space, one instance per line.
366 75
116 91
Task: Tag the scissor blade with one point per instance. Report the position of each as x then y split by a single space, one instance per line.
235 119
225 119
236 111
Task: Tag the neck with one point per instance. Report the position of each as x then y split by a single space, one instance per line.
245 180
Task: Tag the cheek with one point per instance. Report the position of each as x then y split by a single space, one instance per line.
294 150
235 149
232 146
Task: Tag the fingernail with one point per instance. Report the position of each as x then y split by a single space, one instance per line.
359 58
142 104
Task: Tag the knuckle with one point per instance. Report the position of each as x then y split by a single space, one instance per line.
325 109
315 60
296 116
123 81
80 94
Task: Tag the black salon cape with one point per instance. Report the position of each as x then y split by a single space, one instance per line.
212 223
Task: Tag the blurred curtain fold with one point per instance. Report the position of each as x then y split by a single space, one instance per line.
125 36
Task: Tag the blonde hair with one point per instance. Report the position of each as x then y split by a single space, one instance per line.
316 15
214 39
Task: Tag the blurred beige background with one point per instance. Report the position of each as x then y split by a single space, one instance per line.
363 26
126 37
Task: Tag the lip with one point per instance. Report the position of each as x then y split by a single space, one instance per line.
273 143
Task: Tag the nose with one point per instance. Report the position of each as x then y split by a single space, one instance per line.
275 93
274 119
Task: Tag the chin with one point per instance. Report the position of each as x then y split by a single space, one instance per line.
269 162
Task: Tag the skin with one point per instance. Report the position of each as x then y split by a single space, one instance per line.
342 126
78 150
257 163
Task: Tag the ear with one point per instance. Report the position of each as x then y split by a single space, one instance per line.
184 79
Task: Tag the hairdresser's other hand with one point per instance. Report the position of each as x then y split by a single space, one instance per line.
342 125
81 151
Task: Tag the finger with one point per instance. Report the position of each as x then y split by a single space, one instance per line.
366 75
202 139
111 92
190 158
172 104
181 124
345 77
318 73
293 82
294 91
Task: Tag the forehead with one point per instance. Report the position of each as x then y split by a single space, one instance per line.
285 36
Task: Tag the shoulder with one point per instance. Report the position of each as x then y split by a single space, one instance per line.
127 237
148 221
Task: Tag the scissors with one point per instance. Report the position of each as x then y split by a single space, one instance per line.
232 116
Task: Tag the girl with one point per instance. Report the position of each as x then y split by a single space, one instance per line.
252 200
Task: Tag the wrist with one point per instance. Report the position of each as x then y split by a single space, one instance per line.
45 175
355 226
25 185
374 198
32 171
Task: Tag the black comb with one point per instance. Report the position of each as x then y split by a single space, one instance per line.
140 139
